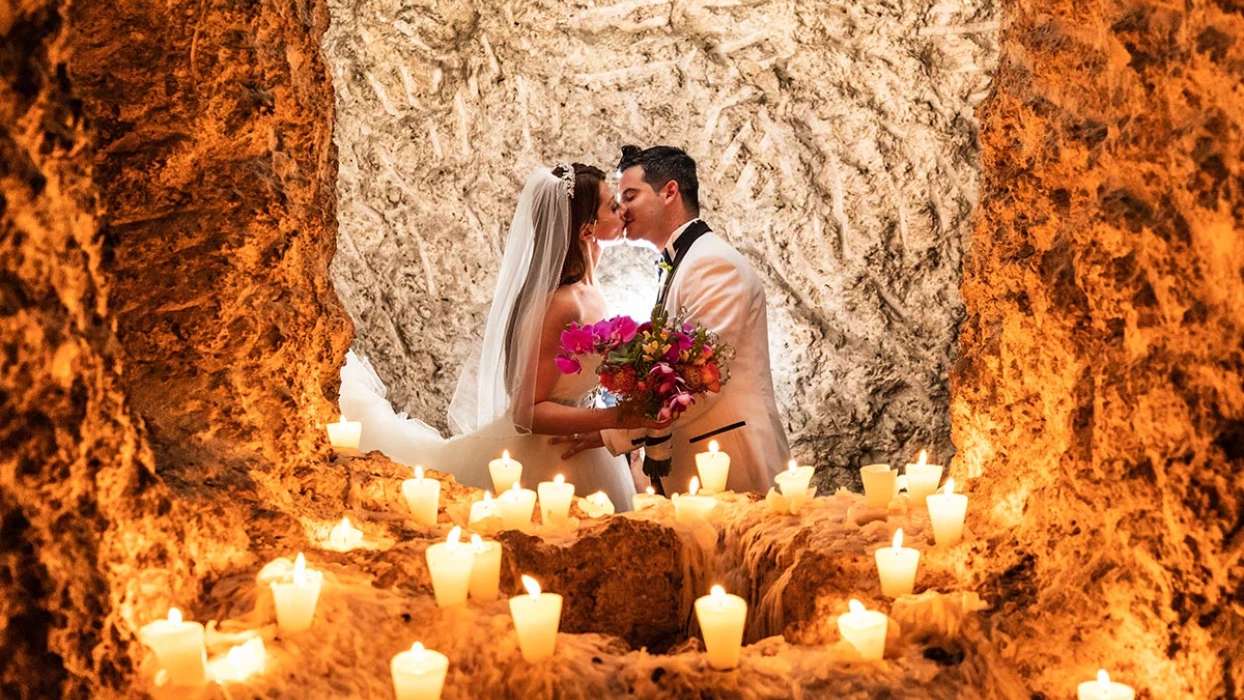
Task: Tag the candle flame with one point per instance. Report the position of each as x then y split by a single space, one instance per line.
1103 678
950 486
598 498
792 467
532 586
418 652
343 418
718 593
454 535
174 616
300 569
694 487
559 479
419 472
923 459
514 487
487 496
478 543
855 606
898 538
714 447
652 491
505 455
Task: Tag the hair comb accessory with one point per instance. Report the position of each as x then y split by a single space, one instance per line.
567 176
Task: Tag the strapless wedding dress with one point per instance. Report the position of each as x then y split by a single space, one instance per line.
413 442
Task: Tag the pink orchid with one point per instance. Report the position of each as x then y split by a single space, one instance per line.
568 365
578 340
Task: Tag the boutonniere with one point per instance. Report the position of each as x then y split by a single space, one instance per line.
666 268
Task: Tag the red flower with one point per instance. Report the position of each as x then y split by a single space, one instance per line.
712 376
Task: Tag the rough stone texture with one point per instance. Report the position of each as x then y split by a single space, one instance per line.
78 495
1099 396
837 150
217 179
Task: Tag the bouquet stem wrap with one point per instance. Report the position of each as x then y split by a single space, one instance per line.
658 456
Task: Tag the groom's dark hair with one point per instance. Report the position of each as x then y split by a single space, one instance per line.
662 164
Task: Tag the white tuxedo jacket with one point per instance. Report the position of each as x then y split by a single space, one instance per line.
717 287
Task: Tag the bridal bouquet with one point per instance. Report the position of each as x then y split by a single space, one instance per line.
656 368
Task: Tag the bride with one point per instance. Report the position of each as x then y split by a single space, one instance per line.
510 395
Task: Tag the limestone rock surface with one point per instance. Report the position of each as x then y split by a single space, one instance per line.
1099 398
837 150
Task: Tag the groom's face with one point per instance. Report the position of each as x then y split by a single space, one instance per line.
639 206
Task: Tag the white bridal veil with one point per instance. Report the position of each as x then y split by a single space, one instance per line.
500 380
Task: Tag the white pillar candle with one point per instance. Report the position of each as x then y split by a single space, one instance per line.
536 616
516 507
864 629
486 571
345 435
647 500
690 508
505 472
555 497
722 617
295 597
450 563
597 505
897 567
418 673
240 663
947 511
344 536
423 497
922 478
879 484
713 467
179 646
1104 689
794 480
482 512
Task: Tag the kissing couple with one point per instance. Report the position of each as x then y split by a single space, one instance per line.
511 394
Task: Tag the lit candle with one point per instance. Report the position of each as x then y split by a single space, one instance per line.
516 507
714 468
505 472
450 564
555 497
485 516
722 617
647 500
295 597
344 536
486 571
946 511
240 663
864 629
597 504
179 646
536 619
418 673
423 496
1104 689
879 484
922 478
345 435
690 508
897 567
794 480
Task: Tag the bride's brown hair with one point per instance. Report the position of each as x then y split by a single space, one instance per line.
583 207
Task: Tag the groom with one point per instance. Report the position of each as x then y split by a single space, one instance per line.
713 285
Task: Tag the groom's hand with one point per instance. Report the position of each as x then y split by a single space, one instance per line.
578 442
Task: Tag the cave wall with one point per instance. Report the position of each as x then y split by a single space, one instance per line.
217 177
1099 396
837 151
78 495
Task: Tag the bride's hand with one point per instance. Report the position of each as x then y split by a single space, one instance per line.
578 442
632 421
